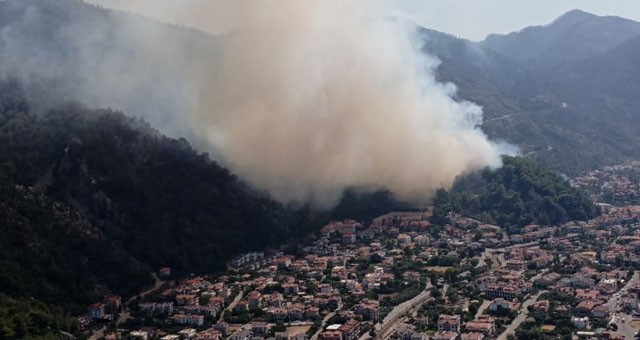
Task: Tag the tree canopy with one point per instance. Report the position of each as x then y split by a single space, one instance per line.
521 192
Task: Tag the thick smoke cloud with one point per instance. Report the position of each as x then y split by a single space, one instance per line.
300 98
310 98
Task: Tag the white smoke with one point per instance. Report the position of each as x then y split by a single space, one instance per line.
300 98
312 97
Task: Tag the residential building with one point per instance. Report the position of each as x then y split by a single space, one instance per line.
260 328
96 311
449 323
350 330
445 335
187 319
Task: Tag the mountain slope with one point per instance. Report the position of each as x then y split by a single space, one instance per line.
573 36
69 50
92 201
29 319
605 85
107 191
564 93
519 193
49 251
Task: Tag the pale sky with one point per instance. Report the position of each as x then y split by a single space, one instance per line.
474 19
471 19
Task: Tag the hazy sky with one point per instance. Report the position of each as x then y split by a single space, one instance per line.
474 19
471 19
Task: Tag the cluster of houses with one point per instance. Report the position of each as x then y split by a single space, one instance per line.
612 182
450 327
332 289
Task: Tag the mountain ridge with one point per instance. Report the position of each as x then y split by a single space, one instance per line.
556 109
78 183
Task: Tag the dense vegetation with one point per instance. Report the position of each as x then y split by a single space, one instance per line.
565 93
519 193
30 319
92 201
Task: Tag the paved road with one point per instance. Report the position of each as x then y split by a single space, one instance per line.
502 117
497 254
231 305
500 261
396 316
522 315
485 255
124 315
549 148
497 259
445 288
534 278
485 304
324 322
523 112
624 328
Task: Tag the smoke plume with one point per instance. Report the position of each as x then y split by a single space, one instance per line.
312 97
300 98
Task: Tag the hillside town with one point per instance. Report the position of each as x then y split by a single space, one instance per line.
616 184
400 277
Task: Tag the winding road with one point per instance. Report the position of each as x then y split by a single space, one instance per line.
231 305
522 315
385 328
485 304
124 315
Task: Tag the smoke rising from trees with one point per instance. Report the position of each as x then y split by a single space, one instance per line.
310 98
300 98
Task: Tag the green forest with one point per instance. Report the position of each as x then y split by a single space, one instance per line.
521 192
92 201
30 319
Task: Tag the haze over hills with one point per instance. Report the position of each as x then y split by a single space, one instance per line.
564 92
94 200
234 96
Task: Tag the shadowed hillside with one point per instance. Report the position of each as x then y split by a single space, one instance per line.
92 201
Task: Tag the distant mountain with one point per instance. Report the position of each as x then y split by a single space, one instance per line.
566 93
572 37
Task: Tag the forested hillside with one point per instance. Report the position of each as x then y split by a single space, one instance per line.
565 93
30 319
92 201
87 195
519 193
